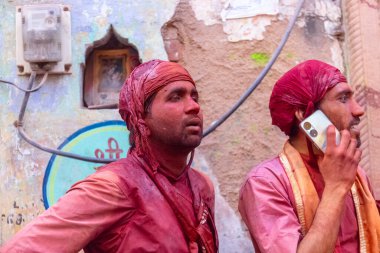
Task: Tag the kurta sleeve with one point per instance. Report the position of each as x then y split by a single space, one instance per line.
268 212
86 210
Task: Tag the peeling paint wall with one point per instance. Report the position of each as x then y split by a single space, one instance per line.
55 111
223 43
225 56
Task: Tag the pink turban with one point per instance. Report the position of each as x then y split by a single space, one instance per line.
302 87
144 81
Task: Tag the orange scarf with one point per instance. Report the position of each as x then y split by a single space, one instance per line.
307 200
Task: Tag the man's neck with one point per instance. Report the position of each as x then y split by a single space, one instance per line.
172 161
299 142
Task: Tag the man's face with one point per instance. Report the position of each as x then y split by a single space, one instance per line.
341 108
175 118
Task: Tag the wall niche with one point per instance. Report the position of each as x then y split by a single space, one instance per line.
109 61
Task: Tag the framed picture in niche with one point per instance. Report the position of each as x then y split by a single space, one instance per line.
111 67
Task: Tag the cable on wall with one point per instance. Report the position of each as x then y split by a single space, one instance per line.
21 131
213 126
261 76
24 90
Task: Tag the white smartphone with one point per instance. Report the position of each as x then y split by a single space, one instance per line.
315 127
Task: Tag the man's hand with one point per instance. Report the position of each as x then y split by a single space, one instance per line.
340 162
338 168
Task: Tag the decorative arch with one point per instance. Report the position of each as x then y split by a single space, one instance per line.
109 61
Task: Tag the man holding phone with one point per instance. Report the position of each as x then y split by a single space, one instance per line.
307 200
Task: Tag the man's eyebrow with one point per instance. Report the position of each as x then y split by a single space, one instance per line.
194 91
177 90
181 90
345 92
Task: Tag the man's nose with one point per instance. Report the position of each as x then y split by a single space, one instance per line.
357 109
192 106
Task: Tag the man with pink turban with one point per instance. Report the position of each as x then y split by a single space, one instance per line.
305 200
151 201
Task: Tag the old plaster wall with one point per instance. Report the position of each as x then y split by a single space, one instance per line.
56 111
363 60
225 61
223 43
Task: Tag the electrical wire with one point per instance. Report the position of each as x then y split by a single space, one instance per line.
261 76
26 97
21 131
43 80
214 125
60 152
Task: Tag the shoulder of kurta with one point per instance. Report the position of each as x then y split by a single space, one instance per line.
106 175
115 175
99 181
206 181
121 171
270 171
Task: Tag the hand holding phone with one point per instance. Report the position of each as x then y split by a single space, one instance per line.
315 127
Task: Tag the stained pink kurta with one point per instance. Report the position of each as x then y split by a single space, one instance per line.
117 209
268 208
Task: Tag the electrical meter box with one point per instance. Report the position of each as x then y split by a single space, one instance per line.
41 32
43 38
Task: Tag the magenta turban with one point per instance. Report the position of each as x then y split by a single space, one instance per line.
302 87
144 81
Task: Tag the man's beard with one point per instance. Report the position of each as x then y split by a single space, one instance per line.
355 123
358 142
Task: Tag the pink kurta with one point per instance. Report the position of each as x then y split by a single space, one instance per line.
117 209
268 208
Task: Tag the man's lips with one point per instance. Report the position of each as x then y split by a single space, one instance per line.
355 129
194 123
354 126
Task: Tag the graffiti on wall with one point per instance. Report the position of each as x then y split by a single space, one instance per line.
105 140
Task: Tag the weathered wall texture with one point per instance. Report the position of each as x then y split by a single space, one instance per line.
55 111
363 60
223 71
223 43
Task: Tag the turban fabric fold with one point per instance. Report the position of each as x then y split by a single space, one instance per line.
144 81
302 87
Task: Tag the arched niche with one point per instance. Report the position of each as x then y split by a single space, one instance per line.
109 61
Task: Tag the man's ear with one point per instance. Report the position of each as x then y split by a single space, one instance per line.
299 115
144 128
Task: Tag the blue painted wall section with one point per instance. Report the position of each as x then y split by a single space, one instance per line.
104 140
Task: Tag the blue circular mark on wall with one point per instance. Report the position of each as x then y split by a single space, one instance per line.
108 139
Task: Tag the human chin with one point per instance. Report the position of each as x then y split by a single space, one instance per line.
355 134
359 142
193 140
355 130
